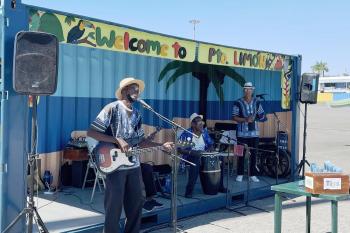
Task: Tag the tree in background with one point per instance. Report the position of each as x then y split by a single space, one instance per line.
320 68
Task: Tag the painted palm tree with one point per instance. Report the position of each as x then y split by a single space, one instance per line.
206 74
320 68
45 22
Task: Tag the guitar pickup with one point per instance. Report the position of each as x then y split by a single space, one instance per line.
101 158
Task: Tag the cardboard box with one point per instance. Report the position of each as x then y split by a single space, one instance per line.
326 183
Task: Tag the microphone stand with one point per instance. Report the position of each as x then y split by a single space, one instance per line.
247 156
175 156
246 203
277 145
230 141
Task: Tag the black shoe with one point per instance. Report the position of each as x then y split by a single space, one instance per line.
156 204
188 195
223 190
148 206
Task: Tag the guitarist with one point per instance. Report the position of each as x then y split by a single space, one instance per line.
120 123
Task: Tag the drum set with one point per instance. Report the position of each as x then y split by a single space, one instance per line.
210 168
273 155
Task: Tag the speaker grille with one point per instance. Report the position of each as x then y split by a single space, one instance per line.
35 63
309 88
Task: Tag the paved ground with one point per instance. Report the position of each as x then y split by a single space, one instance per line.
328 138
328 135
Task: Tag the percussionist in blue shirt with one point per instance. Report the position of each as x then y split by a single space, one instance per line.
204 143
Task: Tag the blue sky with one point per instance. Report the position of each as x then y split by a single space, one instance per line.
318 30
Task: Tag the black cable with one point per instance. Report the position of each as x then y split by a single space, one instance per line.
25 163
56 197
82 203
74 195
96 210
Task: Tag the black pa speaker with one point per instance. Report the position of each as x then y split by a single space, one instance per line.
35 63
309 88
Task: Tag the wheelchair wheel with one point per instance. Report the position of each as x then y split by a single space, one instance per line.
269 164
284 166
266 158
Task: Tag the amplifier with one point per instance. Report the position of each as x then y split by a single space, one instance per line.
75 154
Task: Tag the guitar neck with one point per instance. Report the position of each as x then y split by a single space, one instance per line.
143 150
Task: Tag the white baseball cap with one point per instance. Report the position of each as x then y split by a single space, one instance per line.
248 85
195 115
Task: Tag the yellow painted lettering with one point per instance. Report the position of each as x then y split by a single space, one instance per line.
118 43
164 50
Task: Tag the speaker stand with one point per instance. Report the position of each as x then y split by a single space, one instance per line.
301 165
30 211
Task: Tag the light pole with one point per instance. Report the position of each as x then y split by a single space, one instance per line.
194 22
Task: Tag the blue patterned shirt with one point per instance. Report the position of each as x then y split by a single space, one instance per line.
243 109
115 121
185 136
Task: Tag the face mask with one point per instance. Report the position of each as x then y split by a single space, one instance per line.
130 99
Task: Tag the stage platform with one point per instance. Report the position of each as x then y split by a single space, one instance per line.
70 210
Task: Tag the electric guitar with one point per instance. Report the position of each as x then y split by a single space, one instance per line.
109 158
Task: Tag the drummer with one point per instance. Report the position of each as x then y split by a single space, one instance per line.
204 143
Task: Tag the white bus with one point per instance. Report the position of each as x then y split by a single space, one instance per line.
334 84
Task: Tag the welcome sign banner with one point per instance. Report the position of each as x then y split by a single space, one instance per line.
69 29
235 57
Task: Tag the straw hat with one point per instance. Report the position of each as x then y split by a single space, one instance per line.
126 82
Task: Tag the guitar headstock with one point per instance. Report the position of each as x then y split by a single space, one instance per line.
184 144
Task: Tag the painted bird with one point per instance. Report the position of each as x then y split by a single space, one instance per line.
78 31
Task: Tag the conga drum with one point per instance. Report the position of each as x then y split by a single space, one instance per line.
210 172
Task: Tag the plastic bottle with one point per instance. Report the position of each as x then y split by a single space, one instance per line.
47 178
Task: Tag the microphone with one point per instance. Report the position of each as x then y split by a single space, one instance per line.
144 104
